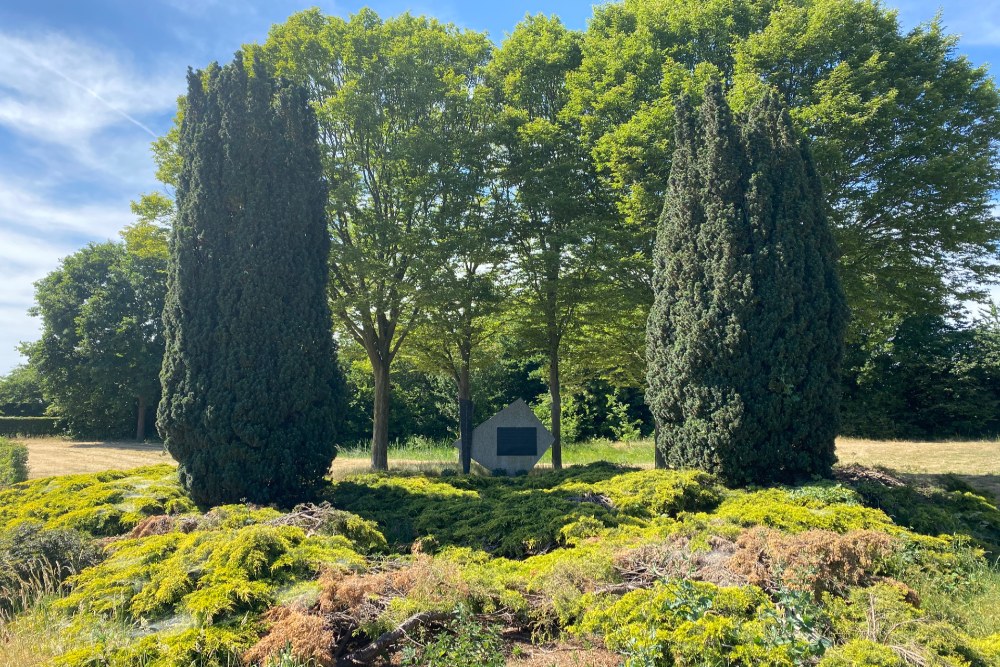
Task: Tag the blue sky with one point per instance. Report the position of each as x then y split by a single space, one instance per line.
85 85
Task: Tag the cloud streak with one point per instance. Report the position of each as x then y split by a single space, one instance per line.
31 56
76 121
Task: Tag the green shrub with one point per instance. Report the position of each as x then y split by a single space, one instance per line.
693 623
13 462
519 516
881 614
933 510
206 574
802 508
102 504
29 426
862 652
35 561
462 642
215 646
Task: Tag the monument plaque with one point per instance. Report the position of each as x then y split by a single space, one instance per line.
511 440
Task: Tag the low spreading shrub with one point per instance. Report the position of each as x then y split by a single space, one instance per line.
102 504
233 567
516 517
662 567
693 623
818 506
932 510
13 462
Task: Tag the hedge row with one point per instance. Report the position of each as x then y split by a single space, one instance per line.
29 426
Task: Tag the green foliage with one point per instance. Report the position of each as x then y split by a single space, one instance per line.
692 623
937 378
215 646
99 354
402 143
862 652
556 233
521 515
34 562
205 574
101 504
932 510
888 112
252 392
646 560
745 336
21 393
870 620
811 507
463 641
29 426
13 462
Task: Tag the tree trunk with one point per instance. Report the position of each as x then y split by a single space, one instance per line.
140 420
465 409
380 415
659 460
556 413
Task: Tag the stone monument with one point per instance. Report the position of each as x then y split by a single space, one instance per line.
511 440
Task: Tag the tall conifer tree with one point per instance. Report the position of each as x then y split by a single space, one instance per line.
796 328
251 388
745 335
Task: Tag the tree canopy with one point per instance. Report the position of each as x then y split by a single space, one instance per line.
394 103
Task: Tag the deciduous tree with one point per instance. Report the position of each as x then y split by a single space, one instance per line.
389 95
552 183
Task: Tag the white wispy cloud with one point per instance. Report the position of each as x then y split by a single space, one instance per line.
69 94
76 120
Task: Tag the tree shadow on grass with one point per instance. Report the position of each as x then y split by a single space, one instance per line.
123 445
986 485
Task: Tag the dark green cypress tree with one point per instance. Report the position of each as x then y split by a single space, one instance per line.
796 330
745 335
252 392
696 340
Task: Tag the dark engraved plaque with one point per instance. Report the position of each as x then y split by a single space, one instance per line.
517 441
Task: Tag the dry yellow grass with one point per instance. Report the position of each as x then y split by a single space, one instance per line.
980 457
975 461
61 456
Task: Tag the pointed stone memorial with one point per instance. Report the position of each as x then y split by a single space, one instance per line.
511 440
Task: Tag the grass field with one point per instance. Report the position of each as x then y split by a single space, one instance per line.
977 462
